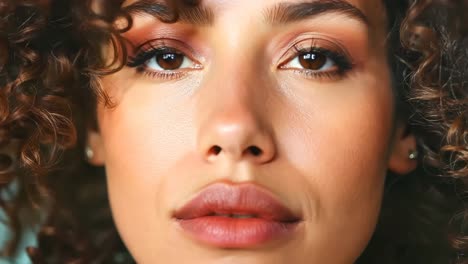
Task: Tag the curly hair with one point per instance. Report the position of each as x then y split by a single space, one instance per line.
50 67
34 113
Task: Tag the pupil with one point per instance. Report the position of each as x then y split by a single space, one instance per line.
170 61
312 60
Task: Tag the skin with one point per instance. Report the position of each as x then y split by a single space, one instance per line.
327 143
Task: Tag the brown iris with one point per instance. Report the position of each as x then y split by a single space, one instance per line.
170 61
312 60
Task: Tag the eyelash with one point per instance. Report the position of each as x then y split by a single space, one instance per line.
340 59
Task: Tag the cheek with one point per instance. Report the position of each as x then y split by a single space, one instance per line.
343 149
144 137
346 136
338 142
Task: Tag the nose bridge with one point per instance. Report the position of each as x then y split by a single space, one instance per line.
233 121
234 83
237 92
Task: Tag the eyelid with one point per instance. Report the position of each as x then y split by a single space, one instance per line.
319 40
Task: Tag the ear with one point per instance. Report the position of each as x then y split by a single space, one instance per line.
95 149
404 144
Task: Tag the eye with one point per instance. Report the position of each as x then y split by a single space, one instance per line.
159 59
316 61
168 61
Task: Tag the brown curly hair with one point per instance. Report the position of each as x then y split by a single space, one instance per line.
50 67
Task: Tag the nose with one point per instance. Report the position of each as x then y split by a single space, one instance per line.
237 136
236 127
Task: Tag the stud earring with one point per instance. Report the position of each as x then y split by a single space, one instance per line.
413 154
89 152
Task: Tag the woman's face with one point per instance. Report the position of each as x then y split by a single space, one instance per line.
273 120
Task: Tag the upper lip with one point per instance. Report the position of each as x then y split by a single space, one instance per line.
243 199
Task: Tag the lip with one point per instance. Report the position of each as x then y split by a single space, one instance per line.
210 216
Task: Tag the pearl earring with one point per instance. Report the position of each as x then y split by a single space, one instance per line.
89 152
413 154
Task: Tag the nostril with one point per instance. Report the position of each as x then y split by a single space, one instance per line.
255 150
215 150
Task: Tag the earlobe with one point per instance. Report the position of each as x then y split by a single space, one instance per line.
404 155
94 150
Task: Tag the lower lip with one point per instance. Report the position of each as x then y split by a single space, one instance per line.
226 232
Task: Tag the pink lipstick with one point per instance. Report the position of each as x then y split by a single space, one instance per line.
236 216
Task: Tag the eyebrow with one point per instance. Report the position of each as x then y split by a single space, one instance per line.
284 13
192 14
281 13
